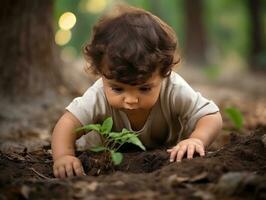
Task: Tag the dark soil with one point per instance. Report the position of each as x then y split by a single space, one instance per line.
235 171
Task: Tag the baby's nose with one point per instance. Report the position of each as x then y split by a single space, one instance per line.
131 99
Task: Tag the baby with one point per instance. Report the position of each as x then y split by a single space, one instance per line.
134 52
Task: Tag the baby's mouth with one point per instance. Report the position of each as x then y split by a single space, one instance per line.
130 109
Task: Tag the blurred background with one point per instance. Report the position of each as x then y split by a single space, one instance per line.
212 34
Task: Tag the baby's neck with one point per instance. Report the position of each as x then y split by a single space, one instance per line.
137 118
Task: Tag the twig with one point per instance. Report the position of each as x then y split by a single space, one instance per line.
39 174
212 153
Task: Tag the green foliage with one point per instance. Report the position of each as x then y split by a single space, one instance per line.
117 157
235 116
107 126
90 127
112 141
212 72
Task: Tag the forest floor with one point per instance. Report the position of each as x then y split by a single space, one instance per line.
234 166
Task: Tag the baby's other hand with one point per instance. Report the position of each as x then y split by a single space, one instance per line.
189 146
67 166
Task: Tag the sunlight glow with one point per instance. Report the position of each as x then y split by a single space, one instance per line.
62 37
67 21
96 6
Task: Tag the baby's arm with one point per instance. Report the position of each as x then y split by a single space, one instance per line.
206 130
63 147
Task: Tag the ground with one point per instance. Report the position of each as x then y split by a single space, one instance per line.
234 166
235 171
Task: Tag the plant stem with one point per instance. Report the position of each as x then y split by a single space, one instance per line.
119 146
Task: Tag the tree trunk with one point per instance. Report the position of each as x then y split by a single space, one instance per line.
28 57
256 32
195 41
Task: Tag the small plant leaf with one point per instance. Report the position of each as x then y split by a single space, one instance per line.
124 130
107 125
124 138
112 140
117 157
98 149
115 135
235 116
135 140
90 127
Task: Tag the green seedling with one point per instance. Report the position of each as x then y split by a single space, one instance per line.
112 141
235 116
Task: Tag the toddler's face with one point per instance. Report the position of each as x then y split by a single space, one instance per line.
133 98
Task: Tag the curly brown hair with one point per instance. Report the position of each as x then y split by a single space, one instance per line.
130 45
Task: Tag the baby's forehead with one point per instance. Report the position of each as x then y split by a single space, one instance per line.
118 83
153 80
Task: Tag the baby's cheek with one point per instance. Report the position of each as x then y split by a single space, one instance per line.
151 100
114 101
149 103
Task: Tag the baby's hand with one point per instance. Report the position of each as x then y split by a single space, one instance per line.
189 146
67 166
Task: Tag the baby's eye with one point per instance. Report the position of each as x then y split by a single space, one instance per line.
117 89
145 89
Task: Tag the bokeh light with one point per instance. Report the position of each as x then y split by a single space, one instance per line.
67 21
62 37
96 6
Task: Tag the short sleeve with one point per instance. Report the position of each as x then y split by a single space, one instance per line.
190 105
89 107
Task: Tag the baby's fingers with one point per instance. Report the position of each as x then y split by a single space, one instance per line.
78 169
190 151
173 153
200 150
69 170
62 172
181 152
56 172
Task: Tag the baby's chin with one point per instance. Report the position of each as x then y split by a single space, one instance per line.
134 111
130 109
119 107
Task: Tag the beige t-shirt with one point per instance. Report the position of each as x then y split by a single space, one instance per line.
172 118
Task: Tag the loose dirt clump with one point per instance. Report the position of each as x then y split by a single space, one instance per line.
235 171
133 162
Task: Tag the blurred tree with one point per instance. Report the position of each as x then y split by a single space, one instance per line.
195 40
28 57
256 32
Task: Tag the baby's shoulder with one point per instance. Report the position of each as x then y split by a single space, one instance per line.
173 83
95 90
176 80
96 87
175 88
